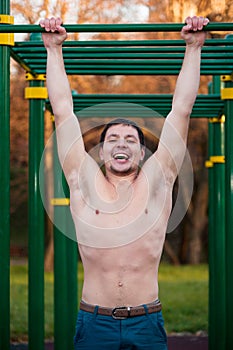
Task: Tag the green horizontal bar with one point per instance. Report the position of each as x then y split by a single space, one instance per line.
211 110
104 56
158 102
70 71
110 112
142 51
209 97
212 98
167 108
121 50
163 113
157 105
137 70
164 109
159 109
196 111
106 115
101 51
205 106
126 56
132 27
132 64
116 43
136 104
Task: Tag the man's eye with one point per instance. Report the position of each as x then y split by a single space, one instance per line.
131 141
112 140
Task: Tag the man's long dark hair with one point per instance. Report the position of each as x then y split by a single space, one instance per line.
124 122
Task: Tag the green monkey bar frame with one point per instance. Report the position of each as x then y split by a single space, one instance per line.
157 57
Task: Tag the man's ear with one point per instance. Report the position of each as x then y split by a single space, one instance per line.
143 152
101 153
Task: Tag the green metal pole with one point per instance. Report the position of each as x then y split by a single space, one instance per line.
36 224
5 190
131 27
5 200
219 330
211 243
229 212
60 264
217 315
71 265
65 266
72 294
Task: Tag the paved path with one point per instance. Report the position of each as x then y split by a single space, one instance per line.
187 343
174 343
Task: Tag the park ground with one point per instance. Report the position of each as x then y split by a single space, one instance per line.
181 342
183 291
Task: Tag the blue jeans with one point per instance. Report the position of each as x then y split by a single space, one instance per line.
98 332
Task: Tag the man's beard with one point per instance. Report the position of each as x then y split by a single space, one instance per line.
129 171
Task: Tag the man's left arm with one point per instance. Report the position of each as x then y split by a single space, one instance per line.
172 144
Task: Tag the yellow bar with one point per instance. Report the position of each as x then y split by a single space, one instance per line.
227 94
60 201
218 119
7 38
6 19
227 77
36 92
214 159
30 77
209 164
217 159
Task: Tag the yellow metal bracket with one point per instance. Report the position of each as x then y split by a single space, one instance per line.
217 159
39 92
227 77
209 164
214 159
227 93
30 77
7 38
60 201
218 119
6 19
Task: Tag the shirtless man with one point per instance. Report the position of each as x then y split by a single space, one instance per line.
121 217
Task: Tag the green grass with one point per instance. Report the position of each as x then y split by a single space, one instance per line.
183 292
19 303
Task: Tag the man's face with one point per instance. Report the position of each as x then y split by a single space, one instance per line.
121 150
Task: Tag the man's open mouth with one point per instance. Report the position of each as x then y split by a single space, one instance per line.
121 156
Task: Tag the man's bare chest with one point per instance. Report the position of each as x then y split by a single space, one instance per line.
106 220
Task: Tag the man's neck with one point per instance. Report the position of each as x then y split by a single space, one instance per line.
116 180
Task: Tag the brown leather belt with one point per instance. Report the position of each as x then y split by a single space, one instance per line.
123 312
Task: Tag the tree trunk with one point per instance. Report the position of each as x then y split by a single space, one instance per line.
171 253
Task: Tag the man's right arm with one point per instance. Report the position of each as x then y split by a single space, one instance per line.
71 148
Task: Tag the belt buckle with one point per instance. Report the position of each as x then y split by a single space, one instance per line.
120 308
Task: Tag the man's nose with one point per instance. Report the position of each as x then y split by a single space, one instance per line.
121 142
